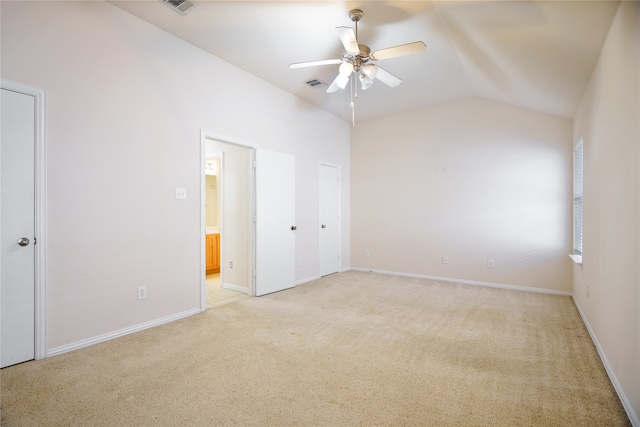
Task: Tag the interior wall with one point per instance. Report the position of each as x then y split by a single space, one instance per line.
607 284
126 103
471 180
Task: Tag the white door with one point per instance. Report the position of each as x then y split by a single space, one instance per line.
329 220
275 221
17 230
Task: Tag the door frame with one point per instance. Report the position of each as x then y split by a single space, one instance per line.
204 136
339 168
40 225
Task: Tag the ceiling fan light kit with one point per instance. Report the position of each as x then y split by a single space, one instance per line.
355 60
370 71
365 82
346 68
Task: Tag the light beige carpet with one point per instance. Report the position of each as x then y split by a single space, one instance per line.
347 350
217 295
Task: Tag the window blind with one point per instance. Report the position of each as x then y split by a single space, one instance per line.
577 196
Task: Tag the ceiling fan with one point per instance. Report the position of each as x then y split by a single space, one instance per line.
357 59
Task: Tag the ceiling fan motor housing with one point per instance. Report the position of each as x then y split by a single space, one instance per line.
364 52
360 59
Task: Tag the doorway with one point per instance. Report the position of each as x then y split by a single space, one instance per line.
22 231
257 217
216 294
227 213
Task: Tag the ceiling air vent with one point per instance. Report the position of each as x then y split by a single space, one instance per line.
315 83
180 6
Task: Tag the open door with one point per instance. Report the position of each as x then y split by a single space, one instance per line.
275 221
17 282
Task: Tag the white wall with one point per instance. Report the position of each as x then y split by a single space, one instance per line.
607 286
124 101
472 180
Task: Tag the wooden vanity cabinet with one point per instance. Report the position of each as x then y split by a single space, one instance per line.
212 246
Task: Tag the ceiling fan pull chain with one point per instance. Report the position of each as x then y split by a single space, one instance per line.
352 104
353 114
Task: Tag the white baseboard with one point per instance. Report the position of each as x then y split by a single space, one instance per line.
122 332
235 287
635 421
468 282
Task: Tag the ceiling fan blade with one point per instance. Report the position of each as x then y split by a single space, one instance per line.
387 78
402 50
348 39
314 63
339 82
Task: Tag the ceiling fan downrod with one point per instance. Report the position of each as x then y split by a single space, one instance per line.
355 15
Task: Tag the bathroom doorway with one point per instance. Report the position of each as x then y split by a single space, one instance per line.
215 293
227 212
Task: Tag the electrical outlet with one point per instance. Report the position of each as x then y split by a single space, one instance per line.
445 259
230 264
491 263
142 292
366 252
297 261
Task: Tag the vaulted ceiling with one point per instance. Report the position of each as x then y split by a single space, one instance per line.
533 54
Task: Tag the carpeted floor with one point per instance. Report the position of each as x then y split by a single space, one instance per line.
350 349
217 295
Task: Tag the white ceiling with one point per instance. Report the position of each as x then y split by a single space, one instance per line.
534 54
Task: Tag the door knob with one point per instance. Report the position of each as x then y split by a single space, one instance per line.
23 241
324 226
294 228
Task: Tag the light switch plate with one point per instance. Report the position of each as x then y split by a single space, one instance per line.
181 193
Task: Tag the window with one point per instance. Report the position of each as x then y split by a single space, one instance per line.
577 197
